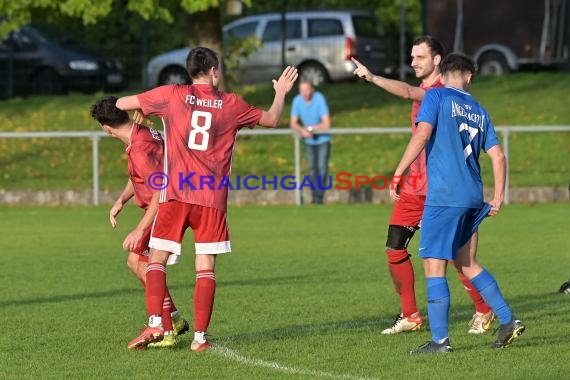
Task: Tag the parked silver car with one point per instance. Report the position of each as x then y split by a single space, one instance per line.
319 43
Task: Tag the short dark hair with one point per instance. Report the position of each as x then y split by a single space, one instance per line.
433 43
105 111
200 60
457 62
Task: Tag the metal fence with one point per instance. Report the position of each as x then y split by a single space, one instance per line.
506 131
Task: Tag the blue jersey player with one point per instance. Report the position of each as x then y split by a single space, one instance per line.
454 128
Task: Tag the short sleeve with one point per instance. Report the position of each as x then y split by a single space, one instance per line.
323 106
295 111
429 108
155 101
491 138
246 114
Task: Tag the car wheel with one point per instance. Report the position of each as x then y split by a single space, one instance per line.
315 73
174 75
493 64
47 82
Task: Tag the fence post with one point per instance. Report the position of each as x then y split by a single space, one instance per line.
95 151
506 134
297 155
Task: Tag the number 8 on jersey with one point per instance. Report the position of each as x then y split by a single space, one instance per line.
200 129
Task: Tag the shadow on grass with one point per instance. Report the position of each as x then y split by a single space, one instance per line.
522 305
137 290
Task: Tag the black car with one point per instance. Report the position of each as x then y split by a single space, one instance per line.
40 59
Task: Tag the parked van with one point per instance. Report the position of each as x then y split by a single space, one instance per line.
319 43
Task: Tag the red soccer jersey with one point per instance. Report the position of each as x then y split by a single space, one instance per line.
200 127
416 182
145 153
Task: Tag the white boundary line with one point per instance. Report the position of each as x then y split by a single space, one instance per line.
237 357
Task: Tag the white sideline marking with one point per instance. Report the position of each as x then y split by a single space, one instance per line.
230 354
237 357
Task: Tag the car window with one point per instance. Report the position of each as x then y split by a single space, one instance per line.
319 27
24 42
273 30
367 26
243 31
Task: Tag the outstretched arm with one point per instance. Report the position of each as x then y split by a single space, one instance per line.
499 164
128 103
395 87
282 86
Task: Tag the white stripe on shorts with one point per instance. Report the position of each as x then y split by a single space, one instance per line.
168 246
213 248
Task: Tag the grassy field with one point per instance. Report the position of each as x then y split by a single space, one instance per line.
303 296
521 99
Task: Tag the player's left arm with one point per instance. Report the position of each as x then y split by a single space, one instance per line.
499 163
413 150
282 86
132 239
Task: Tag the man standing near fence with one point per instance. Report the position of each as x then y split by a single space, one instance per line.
310 114
427 53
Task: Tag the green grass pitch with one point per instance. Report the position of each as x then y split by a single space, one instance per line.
304 295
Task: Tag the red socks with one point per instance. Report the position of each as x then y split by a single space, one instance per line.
403 277
204 299
155 288
480 304
402 273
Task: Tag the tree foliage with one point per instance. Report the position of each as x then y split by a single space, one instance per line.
16 14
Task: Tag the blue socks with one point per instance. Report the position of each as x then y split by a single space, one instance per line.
438 307
485 284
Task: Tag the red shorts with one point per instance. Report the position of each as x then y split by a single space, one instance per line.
211 233
408 210
142 248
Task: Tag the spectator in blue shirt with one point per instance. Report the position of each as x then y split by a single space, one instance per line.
310 114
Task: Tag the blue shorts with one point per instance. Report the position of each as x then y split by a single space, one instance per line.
446 229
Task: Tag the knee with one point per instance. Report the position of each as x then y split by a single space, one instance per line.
399 237
133 263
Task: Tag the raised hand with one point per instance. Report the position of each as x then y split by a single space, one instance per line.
286 81
361 71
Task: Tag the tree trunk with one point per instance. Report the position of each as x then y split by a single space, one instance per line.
205 29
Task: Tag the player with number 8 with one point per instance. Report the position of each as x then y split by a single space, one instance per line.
200 127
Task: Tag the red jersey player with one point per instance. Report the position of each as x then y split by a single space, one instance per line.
200 127
427 53
144 147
